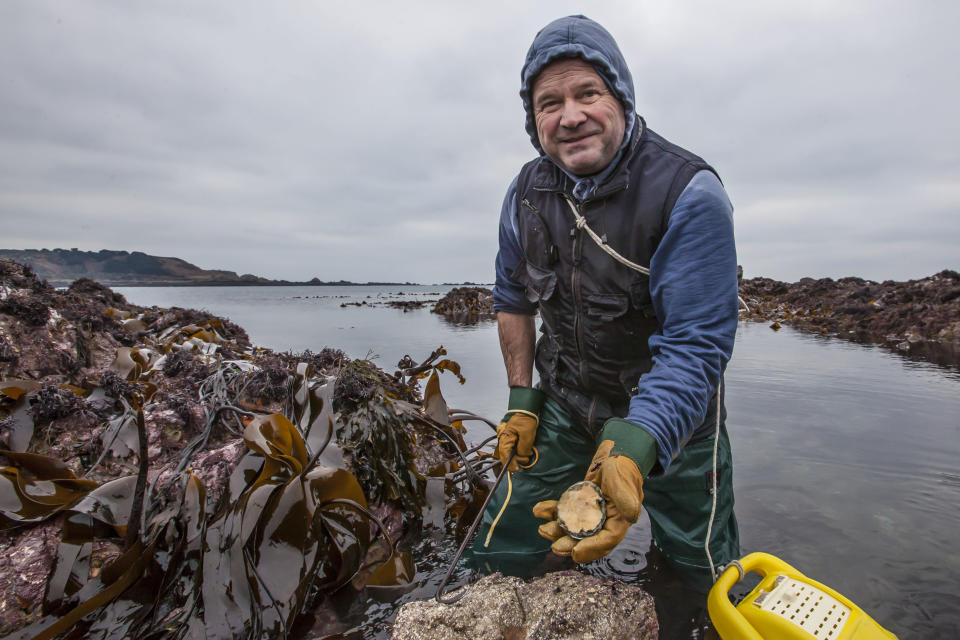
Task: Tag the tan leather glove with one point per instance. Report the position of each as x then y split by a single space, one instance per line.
621 483
517 430
519 427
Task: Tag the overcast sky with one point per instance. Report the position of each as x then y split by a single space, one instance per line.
374 141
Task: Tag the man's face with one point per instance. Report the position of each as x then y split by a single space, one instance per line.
580 123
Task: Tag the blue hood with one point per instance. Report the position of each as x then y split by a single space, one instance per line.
578 37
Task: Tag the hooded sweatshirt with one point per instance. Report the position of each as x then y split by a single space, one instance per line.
693 283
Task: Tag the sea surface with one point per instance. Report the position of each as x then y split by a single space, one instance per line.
846 457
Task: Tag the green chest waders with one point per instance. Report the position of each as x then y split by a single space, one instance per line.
678 502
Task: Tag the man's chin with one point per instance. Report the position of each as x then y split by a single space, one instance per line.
581 166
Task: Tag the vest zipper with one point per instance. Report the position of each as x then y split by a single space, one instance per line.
576 252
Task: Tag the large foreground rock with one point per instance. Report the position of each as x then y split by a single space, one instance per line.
566 605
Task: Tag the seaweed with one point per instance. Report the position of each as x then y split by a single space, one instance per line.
272 380
376 437
185 363
15 397
36 487
31 311
8 353
88 289
275 480
191 567
51 402
465 305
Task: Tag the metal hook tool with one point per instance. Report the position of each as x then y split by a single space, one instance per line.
446 598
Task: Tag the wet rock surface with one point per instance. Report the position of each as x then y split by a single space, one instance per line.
565 605
918 316
466 304
26 558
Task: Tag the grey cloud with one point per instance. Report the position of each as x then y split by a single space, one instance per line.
375 142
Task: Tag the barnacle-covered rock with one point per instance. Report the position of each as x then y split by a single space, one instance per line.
582 510
565 605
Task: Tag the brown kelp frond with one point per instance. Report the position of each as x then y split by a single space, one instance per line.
282 536
35 487
15 396
412 371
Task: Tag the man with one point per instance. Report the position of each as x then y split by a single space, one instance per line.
624 244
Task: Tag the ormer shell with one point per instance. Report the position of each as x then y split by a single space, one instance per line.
582 510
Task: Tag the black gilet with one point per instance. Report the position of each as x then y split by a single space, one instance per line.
596 313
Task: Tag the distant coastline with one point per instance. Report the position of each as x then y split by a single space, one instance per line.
61 267
284 283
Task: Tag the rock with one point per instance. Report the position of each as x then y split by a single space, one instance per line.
950 333
407 305
565 605
26 558
466 304
890 313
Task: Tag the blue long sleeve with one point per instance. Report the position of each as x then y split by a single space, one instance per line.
509 295
693 283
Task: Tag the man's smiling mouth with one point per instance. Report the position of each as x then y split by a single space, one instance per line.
577 138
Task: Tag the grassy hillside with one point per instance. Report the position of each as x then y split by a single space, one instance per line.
117 268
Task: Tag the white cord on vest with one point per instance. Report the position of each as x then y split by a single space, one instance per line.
582 224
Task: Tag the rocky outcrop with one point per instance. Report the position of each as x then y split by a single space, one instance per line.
906 315
466 304
566 605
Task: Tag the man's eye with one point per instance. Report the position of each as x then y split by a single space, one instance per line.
591 94
549 105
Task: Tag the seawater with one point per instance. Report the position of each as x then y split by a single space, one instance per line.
846 457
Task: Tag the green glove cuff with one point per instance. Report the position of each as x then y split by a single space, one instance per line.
526 399
633 441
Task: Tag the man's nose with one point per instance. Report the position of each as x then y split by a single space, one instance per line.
572 115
